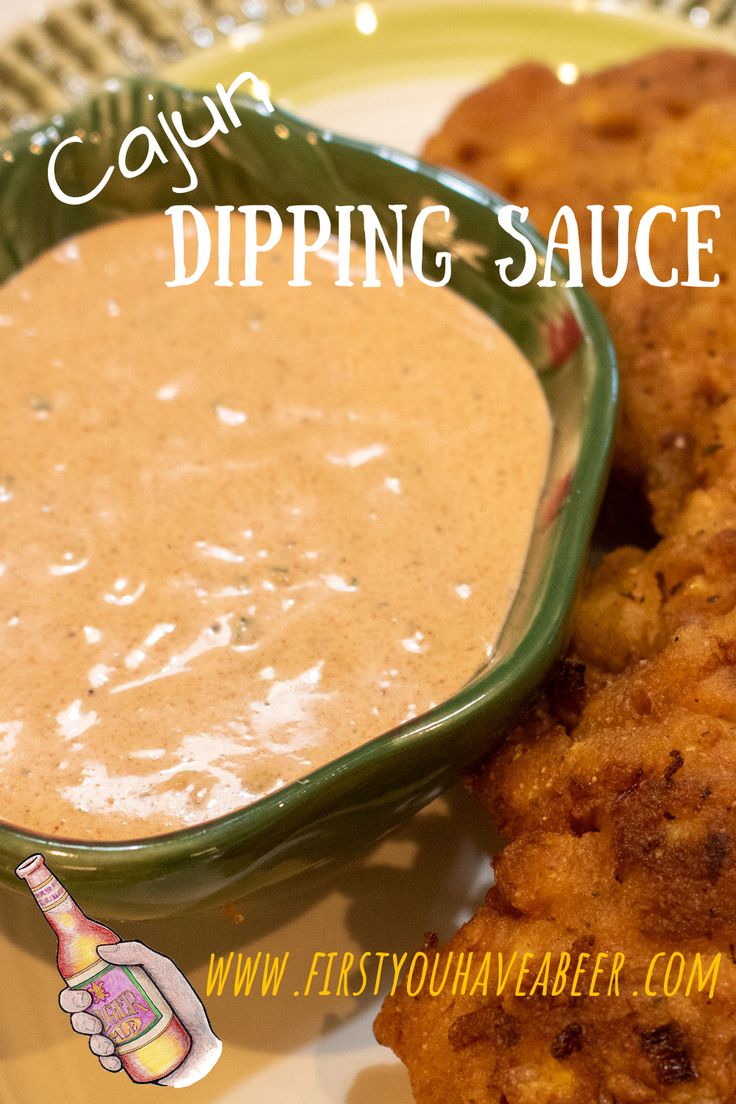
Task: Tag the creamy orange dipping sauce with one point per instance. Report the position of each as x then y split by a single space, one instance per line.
242 531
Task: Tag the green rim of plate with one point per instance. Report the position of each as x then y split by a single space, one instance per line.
323 54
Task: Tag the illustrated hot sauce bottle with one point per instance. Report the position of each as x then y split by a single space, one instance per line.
149 1039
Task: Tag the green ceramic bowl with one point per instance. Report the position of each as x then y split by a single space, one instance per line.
277 159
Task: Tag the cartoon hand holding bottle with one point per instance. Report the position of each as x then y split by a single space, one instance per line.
139 1011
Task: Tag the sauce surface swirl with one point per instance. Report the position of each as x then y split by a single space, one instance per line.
241 531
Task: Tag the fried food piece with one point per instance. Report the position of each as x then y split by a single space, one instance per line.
617 788
636 600
541 142
677 345
625 831
661 129
678 359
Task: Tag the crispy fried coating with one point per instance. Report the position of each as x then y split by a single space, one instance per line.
617 788
624 833
541 142
677 345
661 129
678 359
636 600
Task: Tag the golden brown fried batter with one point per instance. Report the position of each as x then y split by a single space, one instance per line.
636 600
625 839
541 142
617 789
659 130
677 346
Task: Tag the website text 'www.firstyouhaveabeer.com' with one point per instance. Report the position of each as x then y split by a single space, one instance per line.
521 974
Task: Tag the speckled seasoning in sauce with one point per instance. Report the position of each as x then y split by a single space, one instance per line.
241 531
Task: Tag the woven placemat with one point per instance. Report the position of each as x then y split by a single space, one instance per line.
57 59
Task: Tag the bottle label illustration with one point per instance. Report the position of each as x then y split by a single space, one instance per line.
132 1011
